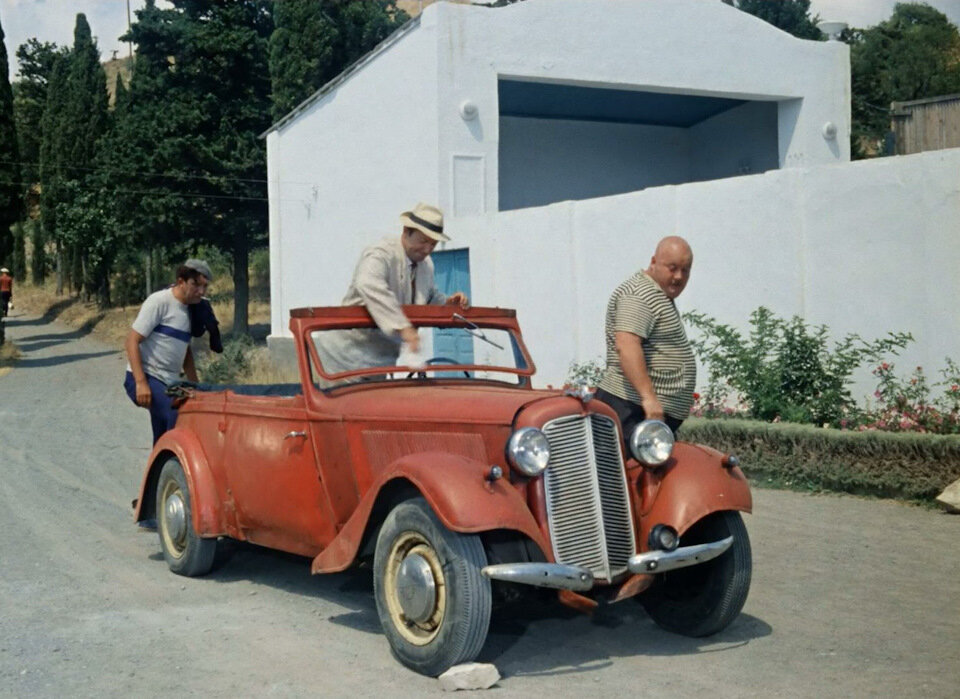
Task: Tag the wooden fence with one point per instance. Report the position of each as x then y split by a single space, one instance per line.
927 124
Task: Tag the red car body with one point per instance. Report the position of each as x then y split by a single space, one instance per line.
317 473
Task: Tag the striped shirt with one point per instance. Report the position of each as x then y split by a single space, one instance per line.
639 306
165 323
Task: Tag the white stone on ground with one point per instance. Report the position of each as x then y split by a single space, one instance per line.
469 676
950 497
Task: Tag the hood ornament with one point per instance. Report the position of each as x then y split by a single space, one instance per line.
581 393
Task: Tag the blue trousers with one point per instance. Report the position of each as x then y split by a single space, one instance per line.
163 416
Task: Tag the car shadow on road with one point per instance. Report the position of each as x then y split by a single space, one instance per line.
534 635
582 643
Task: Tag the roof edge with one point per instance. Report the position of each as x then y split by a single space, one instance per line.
354 67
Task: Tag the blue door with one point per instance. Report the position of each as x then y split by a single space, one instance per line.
451 269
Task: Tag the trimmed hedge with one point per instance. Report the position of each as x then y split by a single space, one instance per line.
901 465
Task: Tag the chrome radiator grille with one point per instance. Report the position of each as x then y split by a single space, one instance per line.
588 507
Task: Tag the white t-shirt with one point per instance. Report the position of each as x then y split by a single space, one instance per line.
165 324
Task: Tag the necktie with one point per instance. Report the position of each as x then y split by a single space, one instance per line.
413 282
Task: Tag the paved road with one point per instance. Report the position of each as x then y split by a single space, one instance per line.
850 597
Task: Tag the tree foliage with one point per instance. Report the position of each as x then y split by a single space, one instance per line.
912 55
10 183
792 16
315 40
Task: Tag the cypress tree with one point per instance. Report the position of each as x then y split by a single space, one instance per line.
84 122
51 162
35 59
315 40
10 184
19 266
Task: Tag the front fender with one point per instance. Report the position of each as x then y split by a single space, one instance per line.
206 511
456 489
693 484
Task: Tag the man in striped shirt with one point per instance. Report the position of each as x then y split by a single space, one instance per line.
651 372
158 344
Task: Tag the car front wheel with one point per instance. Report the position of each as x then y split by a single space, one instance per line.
185 552
433 602
705 598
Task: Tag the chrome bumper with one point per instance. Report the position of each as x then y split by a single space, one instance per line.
567 577
553 575
661 561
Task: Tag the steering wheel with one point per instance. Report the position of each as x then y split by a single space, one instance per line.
435 360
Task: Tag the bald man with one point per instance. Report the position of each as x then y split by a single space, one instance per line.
651 370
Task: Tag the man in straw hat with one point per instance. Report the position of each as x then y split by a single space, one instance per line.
6 289
389 274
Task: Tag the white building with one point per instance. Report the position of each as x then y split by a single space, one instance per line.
564 137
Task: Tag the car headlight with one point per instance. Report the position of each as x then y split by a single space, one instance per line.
528 451
651 442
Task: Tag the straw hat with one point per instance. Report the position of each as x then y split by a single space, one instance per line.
426 219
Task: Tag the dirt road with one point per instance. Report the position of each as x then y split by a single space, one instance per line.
850 597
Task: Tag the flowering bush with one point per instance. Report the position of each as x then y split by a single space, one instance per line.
783 369
908 406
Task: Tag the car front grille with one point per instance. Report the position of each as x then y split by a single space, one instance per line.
588 507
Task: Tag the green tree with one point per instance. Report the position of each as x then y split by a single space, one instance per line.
10 182
29 99
315 40
792 16
84 122
223 77
19 256
912 55
51 164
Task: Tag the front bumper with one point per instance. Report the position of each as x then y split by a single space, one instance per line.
662 561
567 577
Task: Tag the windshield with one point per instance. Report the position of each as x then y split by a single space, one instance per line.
459 350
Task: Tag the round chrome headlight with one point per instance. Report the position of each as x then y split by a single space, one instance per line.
528 451
651 442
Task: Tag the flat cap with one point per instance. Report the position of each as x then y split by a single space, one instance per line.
199 266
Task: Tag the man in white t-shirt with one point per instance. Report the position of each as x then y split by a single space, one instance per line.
158 344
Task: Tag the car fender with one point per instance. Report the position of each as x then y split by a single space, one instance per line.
692 485
206 511
458 491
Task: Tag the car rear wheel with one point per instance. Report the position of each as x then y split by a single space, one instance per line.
185 552
705 598
433 602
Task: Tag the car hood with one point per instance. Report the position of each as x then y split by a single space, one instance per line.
457 403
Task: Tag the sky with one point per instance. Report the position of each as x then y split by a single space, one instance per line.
53 20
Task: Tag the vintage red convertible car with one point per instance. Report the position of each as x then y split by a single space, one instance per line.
459 480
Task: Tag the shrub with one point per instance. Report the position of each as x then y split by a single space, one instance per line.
229 366
784 369
907 405
909 466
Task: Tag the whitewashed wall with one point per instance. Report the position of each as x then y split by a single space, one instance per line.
699 47
867 247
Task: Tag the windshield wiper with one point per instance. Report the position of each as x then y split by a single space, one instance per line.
473 329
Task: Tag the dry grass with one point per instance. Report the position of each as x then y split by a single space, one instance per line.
111 326
8 357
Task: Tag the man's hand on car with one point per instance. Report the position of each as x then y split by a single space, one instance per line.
458 299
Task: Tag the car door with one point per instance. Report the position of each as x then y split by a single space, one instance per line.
272 472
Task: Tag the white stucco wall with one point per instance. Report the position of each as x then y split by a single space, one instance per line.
697 47
868 247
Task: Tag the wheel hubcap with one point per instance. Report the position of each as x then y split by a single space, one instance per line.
173 520
416 588
176 517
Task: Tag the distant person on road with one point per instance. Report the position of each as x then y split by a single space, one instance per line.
158 344
390 273
651 372
6 289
